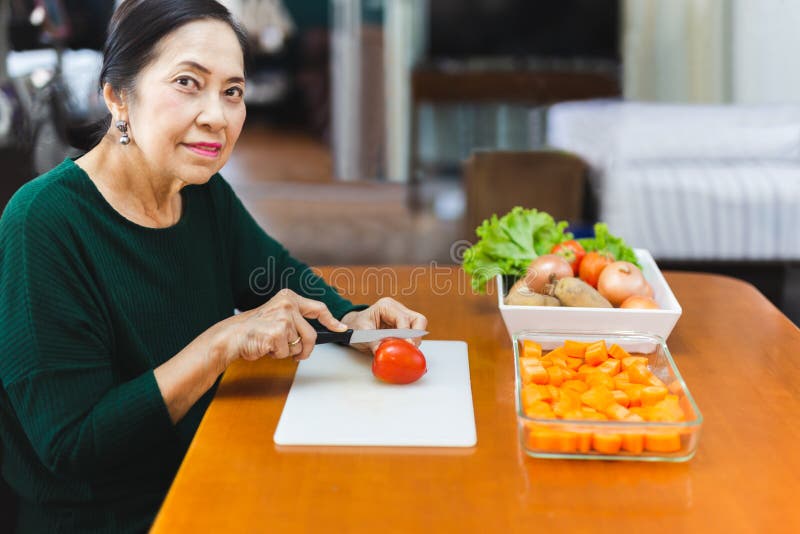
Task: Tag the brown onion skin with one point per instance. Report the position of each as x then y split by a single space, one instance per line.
639 302
620 280
541 268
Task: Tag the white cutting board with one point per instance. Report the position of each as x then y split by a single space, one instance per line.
335 400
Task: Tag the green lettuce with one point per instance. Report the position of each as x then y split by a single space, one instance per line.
508 244
604 241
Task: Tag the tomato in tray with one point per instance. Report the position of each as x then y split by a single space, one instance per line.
572 251
398 362
592 265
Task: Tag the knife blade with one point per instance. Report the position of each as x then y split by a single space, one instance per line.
366 336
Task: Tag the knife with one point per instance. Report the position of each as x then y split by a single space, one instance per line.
351 336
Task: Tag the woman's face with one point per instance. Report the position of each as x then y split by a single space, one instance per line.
188 106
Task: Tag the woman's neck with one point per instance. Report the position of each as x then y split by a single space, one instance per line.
131 186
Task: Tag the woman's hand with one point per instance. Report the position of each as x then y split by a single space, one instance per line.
386 313
276 329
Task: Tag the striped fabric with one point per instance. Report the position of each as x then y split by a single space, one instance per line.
737 207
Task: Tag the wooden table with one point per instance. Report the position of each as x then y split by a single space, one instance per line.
738 354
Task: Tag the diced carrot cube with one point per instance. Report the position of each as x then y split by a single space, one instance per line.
584 441
545 439
556 375
566 404
607 443
532 372
576 385
600 379
531 349
652 395
574 363
586 370
634 393
596 353
655 381
617 352
621 398
639 374
576 349
634 418
641 411
616 412
630 361
662 441
598 398
633 442
539 409
621 379
530 394
555 360
593 415
569 374
555 393
558 352
667 410
609 367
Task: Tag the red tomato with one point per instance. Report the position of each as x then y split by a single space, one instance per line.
572 251
399 362
592 265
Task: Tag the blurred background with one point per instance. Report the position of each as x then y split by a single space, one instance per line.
385 131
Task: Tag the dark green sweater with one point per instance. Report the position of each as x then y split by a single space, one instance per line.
90 304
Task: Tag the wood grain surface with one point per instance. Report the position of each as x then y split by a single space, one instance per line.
738 354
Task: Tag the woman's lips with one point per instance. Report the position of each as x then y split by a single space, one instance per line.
208 150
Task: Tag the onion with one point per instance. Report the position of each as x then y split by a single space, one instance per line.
639 302
620 280
546 269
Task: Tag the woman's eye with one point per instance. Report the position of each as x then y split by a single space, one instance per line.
235 91
185 81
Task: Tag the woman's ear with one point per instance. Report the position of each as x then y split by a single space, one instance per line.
115 103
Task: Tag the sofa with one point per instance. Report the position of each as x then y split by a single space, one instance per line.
690 182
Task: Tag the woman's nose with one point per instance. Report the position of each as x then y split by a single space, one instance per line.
212 114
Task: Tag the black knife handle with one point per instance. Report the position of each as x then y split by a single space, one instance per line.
327 336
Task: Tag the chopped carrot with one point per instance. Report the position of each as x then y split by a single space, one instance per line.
555 360
558 352
621 379
574 363
539 409
575 385
532 372
662 441
600 379
596 353
621 398
598 398
639 374
641 411
616 412
545 439
617 352
566 404
653 394
586 370
630 361
608 443
576 349
556 375
531 349
634 393
609 367
633 442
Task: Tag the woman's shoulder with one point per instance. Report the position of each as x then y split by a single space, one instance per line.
44 198
46 190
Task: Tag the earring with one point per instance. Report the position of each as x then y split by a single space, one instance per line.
122 126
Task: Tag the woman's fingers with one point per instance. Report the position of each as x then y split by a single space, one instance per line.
307 336
314 309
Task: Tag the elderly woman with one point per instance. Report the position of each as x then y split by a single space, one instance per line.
119 275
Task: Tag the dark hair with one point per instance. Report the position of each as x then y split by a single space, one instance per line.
139 25
136 29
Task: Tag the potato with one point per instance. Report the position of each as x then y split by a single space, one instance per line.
576 293
520 295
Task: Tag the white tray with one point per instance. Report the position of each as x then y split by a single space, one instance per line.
594 320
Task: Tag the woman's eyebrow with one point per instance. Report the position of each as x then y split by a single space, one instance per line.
204 70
